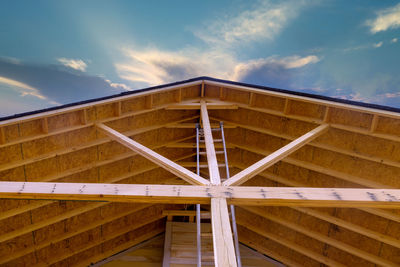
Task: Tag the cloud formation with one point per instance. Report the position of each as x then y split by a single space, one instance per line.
76 64
388 18
54 83
264 22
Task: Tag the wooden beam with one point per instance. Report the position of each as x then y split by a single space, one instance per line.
167 244
210 149
193 125
224 251
153 156
190 194
188 106
268 161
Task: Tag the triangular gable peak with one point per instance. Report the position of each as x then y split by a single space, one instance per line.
288 153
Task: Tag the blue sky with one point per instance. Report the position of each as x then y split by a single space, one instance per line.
58 52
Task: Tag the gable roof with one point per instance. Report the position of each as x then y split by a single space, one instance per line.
361 149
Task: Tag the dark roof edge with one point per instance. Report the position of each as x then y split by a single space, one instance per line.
315 96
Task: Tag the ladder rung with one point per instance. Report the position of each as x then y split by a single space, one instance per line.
206 165
215 140
216 152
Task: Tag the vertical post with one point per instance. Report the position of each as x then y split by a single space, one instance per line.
198 218
234 227
224 251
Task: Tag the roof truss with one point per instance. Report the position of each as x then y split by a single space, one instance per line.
212 191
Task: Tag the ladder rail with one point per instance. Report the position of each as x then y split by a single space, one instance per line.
232 207
198 218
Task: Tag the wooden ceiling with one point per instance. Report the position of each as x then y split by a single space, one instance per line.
361 149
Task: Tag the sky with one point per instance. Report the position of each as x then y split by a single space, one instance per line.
59 52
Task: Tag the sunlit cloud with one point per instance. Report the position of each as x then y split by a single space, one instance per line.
76 64
377 45
276 64
119 85
23 88
263 22
394 40
388 18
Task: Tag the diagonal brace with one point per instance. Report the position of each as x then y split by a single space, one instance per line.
273 158
153 156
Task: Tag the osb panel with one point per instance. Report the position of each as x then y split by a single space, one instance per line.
15 222
38 170
240 115
80 136
297 128
134 104
256 240
15 244
31 128
306 109
75 259
350 118
164 97
65 120
211 91
122 124
115 169
105 111
110 150
51 210
191 92
77 158
88 176
10 154
363 219
49 232
237 96
11 132
357 167
388 126
91 114
268 102
38 147
346 258
15 174
8 204
262 141
338 138
27 260
387 251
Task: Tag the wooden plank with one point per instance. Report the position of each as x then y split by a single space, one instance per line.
190 106
191 194
153 156
193 125
322 238
268 161
224 251
45 125
167 244
209 142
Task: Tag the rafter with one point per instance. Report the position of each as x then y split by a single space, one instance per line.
153 156
210 106
269 160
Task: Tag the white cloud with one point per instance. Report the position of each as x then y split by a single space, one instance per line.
293 62
394 40
119 85
265 21
77 64
377 45
23 88
386 19
154 67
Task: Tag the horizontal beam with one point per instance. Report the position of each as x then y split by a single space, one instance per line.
153 156
198 106
276 156
188 194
